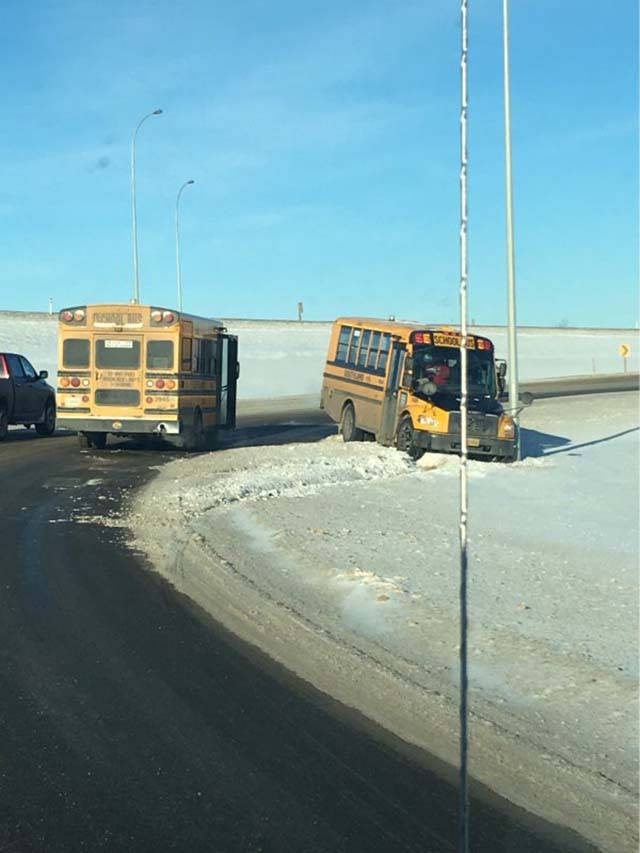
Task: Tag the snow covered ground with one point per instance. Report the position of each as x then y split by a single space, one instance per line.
287 358
341 561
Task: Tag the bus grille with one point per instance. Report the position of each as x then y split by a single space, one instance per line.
479 424
117 397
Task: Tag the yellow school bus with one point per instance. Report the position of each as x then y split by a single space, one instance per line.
143 370
400 383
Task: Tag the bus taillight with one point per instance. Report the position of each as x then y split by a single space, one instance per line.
160 383
75 382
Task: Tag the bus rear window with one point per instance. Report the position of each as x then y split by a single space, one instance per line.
75 352
118 354
159 355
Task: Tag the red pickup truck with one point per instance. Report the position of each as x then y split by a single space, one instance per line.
25 397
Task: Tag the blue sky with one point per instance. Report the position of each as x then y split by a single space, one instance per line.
323 139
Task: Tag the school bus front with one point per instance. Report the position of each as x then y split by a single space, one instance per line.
401 384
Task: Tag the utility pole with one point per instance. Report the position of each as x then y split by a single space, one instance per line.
51 305
463 808
511 266
300 311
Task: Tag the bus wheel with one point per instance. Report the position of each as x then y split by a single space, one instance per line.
405 439
197 439
99 440
348 427
211 439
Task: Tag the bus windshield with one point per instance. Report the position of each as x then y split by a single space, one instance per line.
437 369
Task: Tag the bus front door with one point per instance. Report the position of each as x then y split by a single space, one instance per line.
387 432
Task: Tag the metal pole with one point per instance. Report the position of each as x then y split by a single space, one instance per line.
511 266
463 837
178 270
134 221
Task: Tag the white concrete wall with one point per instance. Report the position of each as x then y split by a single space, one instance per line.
287 358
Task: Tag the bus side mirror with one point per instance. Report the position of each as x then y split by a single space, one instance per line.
526 398
502 369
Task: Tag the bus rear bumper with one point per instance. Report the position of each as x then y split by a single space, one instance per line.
450 443
124 426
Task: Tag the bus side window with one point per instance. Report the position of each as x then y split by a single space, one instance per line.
343 343
384 352
202 356
373 351
186 355
364 347
353 346
209 358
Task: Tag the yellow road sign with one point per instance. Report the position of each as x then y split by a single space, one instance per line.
624 350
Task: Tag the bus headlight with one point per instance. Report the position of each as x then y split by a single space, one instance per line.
507 427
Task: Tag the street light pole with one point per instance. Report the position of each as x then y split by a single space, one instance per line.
178 270
134 221
511 267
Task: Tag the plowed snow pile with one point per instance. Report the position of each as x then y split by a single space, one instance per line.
341 561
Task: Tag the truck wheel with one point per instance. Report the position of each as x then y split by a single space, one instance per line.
4 422
348 428
48 425
405 439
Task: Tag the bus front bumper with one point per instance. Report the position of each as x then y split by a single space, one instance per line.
450 443
120 426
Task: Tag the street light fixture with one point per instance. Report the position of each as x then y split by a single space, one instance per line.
134 222
178 271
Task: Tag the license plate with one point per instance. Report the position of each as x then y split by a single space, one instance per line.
473 442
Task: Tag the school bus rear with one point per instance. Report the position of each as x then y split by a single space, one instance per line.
120 371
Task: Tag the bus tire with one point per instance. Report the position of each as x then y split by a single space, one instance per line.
4 422
197 438
48 425
92 439
348 428
99 440
405 441
211 439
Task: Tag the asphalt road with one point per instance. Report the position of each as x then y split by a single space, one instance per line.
131 722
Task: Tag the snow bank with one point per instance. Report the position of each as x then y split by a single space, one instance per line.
342 562
287 358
